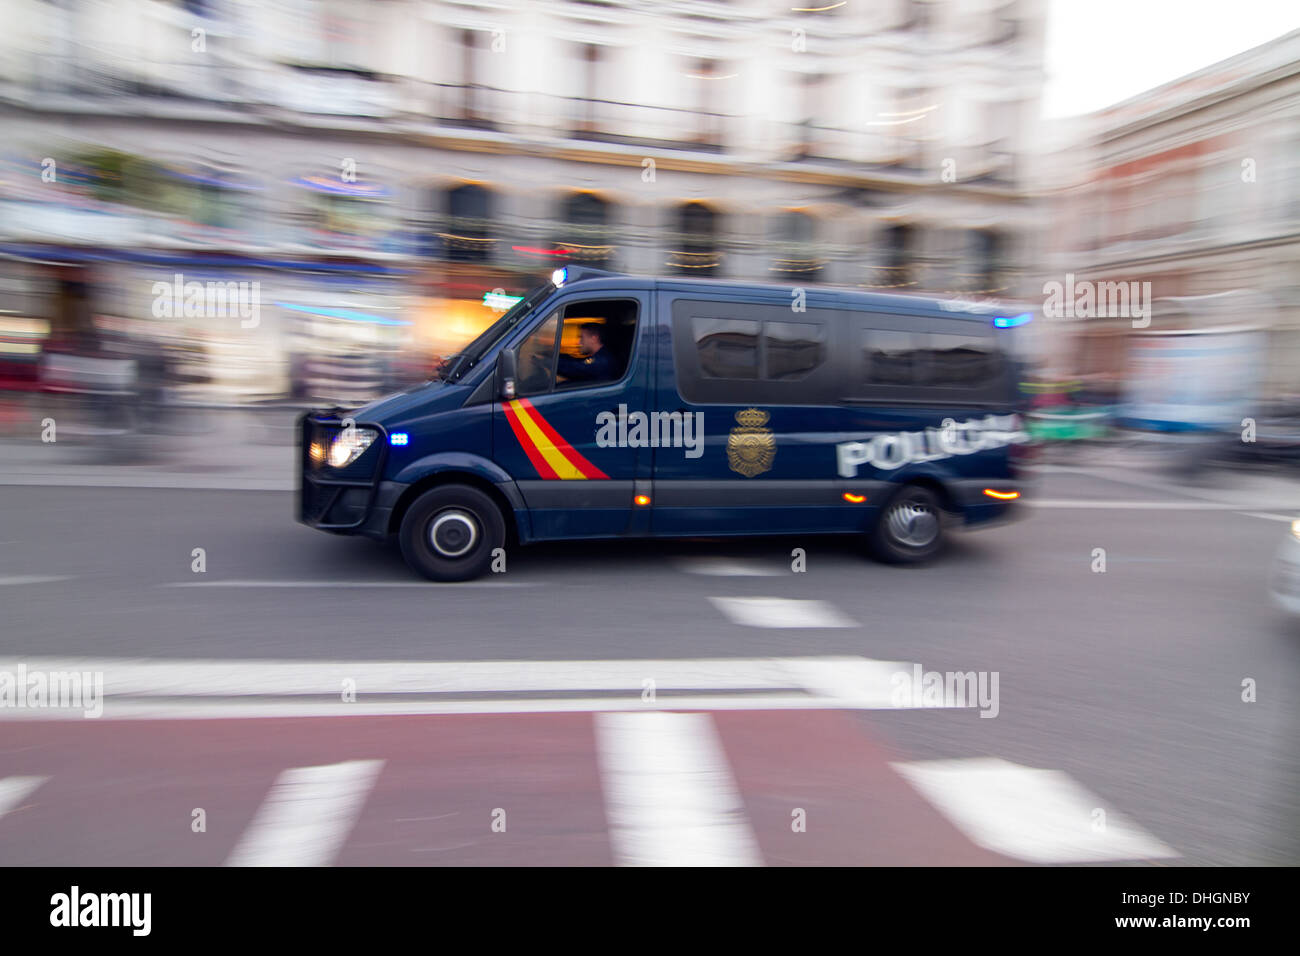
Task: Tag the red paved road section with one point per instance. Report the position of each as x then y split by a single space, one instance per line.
122 793
858 810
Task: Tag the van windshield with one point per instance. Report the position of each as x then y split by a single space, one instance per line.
454 368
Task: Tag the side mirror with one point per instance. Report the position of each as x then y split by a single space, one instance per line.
507 367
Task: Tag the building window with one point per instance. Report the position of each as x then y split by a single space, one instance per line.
586 116
914 15
987 255
708 131
1006 25
795 254
469 233
697 253
586 230
812 90
469 102
899 241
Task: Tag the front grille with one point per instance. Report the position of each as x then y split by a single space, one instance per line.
335 498
315 501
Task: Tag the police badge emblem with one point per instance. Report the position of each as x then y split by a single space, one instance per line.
750 446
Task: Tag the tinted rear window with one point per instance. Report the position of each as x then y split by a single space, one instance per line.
727 348
939 360
752 352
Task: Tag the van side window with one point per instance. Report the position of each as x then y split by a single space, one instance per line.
962 361
929 359
596 342
536 360
583 344
735 350
728 348
792 349
889 358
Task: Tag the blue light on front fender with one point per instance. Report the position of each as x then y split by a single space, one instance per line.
399 438
1007 322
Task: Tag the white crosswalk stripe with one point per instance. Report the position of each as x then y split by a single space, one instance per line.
307 816
14 790
669 792
781 612
1041 816
731 567
162 689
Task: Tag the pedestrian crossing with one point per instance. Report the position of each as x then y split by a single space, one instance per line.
656 788
707 762
781 612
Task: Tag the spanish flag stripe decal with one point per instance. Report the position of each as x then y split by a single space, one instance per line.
587 469
543 469
550 454
560 466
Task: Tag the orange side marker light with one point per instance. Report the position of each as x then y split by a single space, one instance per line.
1002 495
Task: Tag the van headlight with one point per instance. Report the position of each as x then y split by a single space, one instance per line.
1295 527
349 444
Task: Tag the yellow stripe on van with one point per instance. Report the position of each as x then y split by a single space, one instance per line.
554 457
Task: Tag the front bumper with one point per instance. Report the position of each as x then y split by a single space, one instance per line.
341 500
979 509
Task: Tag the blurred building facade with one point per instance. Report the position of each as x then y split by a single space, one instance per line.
1193 186
393 161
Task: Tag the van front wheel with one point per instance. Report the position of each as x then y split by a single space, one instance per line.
910 527
450 533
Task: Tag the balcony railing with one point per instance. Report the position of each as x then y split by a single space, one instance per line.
476 106
634 124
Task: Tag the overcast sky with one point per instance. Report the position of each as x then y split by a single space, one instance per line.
1102 51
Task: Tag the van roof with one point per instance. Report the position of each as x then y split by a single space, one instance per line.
823 295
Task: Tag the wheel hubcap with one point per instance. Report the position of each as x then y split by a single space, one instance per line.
914 524
453 533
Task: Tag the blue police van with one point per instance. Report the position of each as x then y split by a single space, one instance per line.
610 406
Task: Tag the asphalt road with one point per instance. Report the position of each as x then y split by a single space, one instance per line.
1128 681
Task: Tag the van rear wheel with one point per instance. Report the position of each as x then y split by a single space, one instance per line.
910 527
449 533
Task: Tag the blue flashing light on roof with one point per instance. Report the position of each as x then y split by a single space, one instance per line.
1007 322
559 276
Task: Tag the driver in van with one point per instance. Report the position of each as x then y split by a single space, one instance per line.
597 364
